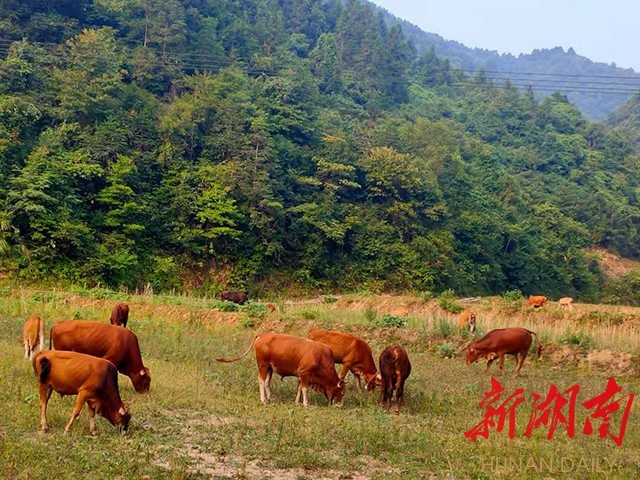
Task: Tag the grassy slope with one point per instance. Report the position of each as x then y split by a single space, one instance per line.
203 419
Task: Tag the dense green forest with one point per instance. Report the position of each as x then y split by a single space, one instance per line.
597 88
266 144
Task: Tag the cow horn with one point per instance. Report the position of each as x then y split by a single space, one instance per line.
122 411
143 372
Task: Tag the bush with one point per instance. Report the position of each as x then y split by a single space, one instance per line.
225 306
447 301
330 299
391 321
247 322
445 328
309 314
579 338
513 295
254 309
370 314
426 296
447 350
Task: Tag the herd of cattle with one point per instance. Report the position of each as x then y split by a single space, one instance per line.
87 357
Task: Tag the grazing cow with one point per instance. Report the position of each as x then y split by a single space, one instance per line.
290 356
32 336
235 297
118 345
120 315
536 301
565 302
500 342
352 352
468 318
395 368
93 379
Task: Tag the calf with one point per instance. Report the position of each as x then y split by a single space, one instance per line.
93 379
352 352
565 302
120 315
290 356
395 368
236 297
118 345
468 318
500 342
32 336
536 301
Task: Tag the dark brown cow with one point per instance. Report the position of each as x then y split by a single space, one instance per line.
289 356
536 301
33 336
120 315
500 342
468 319
352 352
395 368
93 379
118 345
236 297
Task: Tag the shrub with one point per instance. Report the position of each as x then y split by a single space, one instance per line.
445 328
388 320
308 314
448 302
426 296
254 309
330 299
247 322
370 314
513 295
447 350
225 306
579 338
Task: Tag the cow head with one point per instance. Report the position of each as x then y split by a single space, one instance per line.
141 380
122 419
373 382
336 394
472 354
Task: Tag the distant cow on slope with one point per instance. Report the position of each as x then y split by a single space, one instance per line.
565 302
120 315
395 368
468 318
236 297
536 301
33 336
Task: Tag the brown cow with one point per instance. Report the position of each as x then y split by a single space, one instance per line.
118 345
565 302
120 315
468 318
290 356
93 379
32 336
395 368
536 301
500 342
352 352
236 297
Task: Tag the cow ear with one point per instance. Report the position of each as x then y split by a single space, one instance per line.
340 383
143 372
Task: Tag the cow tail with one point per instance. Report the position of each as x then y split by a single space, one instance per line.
45 367
539 343
235 359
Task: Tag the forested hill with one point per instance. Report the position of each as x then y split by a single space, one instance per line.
261 144
596 88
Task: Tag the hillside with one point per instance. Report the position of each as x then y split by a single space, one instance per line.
272 146
627 118
596 88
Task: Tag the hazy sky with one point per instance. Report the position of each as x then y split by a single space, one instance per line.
602 30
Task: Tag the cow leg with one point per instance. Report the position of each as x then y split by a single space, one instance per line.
399 394
92 420
521 358
263 373
45 394
358 384
304 387
263 395
267 384
491 360
501 364
299 392
76 410
27 350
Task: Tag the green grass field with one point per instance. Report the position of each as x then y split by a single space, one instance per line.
203 419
